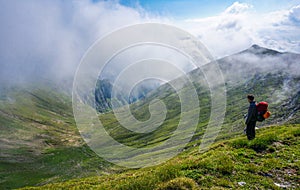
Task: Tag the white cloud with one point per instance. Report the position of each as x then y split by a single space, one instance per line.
239 26
238 8
49 37
294 14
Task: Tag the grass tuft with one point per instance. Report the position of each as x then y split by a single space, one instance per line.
181 183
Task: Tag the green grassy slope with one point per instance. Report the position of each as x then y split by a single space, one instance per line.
39 141
263 149
269 78
272 158
266 86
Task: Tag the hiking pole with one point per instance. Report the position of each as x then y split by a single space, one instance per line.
243 122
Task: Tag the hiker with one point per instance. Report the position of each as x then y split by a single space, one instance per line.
251 118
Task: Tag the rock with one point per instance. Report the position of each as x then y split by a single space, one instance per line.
267 174
242 183
281 185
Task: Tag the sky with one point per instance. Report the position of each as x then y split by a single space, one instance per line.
49 37
184 9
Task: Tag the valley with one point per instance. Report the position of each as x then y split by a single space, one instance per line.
41 145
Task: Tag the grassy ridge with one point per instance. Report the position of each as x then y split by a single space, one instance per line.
37 126
265 86
39 141
40 144
272 158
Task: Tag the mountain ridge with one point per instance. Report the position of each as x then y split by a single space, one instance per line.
256 49
38 128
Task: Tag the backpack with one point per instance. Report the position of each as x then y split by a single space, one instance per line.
262 111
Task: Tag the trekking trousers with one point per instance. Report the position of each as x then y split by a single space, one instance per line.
250 130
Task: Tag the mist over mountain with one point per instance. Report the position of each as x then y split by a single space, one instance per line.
38 128
236 69
103 93
257 60
256 68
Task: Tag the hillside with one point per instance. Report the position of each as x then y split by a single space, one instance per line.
271 161
271 80
40 143
39 140
103 94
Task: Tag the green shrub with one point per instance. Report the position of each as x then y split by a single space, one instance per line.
296 133
252 168
261 143
181 183
224 163
194 174
167 172
239 143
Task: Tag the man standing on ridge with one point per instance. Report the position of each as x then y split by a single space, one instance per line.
251 118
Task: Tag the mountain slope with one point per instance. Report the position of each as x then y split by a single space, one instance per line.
104 89
271 80
270 161
270 75
40 143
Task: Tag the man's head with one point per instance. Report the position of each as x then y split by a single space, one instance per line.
250 97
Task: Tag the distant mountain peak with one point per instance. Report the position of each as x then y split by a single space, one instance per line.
258 50
255 46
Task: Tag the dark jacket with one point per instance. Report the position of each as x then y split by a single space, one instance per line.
252 113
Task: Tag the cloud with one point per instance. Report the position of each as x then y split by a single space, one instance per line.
232 16
240 26
294 14
238 8
225 33
48 38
